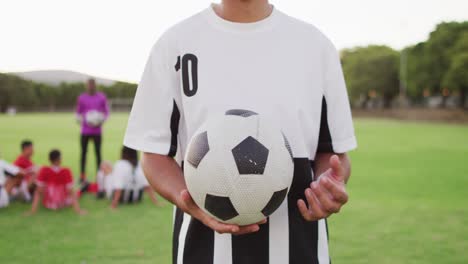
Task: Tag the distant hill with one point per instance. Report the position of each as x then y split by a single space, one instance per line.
55 77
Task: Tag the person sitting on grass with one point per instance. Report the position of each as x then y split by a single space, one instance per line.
7 183
103 180
55 187
24 161
128 181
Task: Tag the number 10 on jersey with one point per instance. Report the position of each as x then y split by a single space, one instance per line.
190 85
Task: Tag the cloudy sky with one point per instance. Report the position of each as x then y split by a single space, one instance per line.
112 38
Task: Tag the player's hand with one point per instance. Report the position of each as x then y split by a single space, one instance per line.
81 212
21 174
29 213
186 203
327 195
79 119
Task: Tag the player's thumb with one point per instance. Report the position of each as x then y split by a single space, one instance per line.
337 168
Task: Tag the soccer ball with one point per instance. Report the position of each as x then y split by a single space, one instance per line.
239 167
94 118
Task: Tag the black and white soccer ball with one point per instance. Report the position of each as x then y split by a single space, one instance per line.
239 167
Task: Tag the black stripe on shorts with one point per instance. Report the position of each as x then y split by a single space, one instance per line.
251 248
199 244
179 216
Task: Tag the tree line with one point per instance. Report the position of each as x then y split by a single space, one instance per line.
27 95
436 67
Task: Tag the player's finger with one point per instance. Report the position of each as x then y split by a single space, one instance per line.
220 227
335 189
306 214
314 205
247 229
337 168
326 201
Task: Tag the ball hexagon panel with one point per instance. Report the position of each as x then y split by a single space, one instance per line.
198 149
250 156
275 201
220 207
240 112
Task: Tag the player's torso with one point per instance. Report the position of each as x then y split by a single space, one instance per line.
92 102
280 77
23 162
278 71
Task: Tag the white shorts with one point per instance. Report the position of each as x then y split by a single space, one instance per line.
4 199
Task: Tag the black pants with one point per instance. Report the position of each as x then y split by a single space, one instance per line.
97 139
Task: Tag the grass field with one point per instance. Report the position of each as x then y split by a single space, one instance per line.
408 200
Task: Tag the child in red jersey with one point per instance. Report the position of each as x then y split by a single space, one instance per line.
55 186
24 162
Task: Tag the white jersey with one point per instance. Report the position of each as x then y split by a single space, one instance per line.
278 66
127 178
6 168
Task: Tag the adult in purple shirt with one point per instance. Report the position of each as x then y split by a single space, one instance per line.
89 101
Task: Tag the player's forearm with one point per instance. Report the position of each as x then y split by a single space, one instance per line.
106 109
164 175
75 203
79 109
322 164
36 199
116 198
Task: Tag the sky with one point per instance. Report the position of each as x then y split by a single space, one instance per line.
112 38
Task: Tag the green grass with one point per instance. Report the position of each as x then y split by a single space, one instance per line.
408 200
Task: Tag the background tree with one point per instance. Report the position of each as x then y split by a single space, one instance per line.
417 73
27 95
439 51
371 70
456 78
16 91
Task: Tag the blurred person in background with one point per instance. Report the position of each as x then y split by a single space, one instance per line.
103 179
127 181
7 183
24 161
55 186
91 100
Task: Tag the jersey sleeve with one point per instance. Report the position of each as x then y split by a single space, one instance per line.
154 118
336 124
79 107
41 179
105 106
